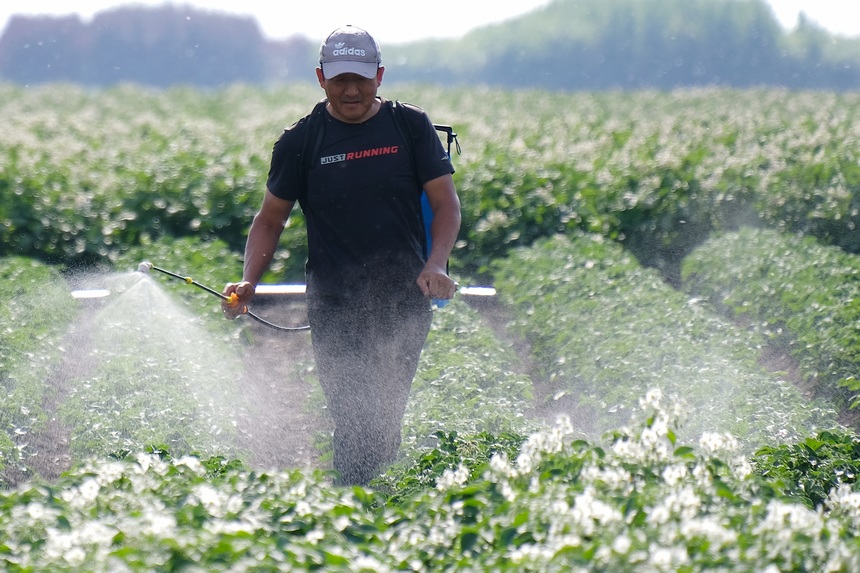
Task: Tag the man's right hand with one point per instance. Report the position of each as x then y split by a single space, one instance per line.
238 296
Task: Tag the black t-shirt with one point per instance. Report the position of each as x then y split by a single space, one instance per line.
362 204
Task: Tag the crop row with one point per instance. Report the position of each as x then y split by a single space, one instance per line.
639 501
800 296
30 346
605 330
89 174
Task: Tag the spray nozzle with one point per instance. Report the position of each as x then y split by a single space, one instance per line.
144 267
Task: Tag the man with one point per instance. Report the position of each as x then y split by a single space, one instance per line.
369 284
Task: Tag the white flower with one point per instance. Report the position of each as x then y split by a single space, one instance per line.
616 478
742 467
652 400
545 441
152 462
783 523
531 554
526 462
709 528
315 536
624 449
36 510
846 502
72 545
110 472
367 563
303 508
508 492
682 504
589 512
191 463
212 500
341 523
75 556
500 466
668 558
158 523
452 478
674 474
713 443
89 489
622 544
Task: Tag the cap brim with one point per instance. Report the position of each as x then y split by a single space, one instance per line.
363 69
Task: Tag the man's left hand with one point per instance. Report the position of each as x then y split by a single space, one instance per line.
435 283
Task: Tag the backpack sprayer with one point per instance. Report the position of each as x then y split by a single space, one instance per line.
232 300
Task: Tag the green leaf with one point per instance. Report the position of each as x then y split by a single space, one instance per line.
468 539
684 452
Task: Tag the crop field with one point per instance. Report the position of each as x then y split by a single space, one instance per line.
667 379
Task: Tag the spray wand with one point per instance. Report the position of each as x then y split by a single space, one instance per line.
232 300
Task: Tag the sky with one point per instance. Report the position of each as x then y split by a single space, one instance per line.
397 21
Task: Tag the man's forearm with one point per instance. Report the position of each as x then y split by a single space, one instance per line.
444 231
259 250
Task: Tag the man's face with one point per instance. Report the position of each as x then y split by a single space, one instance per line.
351 96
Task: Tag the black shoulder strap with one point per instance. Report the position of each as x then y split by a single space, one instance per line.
405 117
312 143
315 125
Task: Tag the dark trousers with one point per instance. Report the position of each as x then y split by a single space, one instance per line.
366 354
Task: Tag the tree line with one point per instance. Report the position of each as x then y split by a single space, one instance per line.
566 45
158 47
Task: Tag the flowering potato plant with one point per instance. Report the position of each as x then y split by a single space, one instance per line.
635 501
86 174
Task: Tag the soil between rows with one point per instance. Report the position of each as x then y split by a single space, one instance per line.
280 426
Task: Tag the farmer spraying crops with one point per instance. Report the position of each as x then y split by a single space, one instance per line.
358 165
